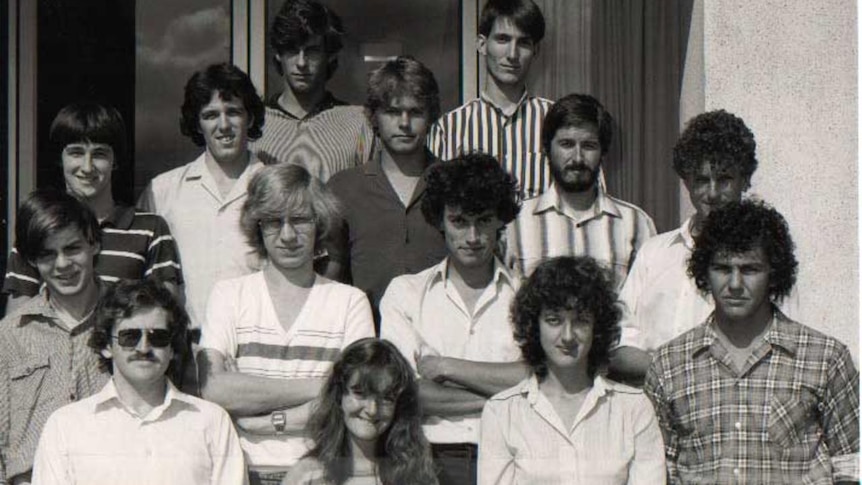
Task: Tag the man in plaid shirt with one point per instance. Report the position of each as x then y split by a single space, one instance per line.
751 396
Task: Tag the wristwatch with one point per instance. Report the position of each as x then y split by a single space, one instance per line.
278 421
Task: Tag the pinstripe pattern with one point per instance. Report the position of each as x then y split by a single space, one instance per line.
42 367
513 140
325 144
611 234
788 417
135 245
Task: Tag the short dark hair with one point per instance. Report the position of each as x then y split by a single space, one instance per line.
525 14
719 138
46 212
401 76
740 227
567 282
298 21
278 188
474 182
577 110
404 455
92 122
229 82
129 297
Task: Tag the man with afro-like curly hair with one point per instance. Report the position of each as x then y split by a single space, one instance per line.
451 320
715 159
751 396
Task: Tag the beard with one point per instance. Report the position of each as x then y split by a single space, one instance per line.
572 179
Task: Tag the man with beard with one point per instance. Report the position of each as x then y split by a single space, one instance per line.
305 123
575 217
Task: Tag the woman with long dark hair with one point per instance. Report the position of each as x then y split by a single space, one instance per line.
367 425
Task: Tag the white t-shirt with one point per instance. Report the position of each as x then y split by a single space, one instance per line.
242 324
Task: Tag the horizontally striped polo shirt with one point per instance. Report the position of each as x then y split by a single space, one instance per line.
325 142
611 232
135 245
516 140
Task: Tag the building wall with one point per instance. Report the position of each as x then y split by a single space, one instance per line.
789 69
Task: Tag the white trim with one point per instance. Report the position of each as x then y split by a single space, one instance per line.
27 96
257 44
469 57
239 32
12 123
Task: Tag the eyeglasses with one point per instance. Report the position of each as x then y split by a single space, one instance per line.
275 225
129 337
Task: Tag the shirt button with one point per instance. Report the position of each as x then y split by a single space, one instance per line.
736 471
72 397
738 425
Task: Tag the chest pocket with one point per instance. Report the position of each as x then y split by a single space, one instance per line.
791 417
27 381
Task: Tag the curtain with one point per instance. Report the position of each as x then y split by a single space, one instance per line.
628 54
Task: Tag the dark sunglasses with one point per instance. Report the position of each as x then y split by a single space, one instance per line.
157 337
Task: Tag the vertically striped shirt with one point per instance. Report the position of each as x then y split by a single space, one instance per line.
516 140
325 142
135 245
611 232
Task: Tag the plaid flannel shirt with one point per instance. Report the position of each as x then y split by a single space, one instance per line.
790 416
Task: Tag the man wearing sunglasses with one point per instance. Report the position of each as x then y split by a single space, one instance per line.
44 359
152 432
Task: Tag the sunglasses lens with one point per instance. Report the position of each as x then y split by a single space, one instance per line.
130 337
159 337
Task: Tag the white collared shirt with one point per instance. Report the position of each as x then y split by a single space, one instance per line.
424 312
205 226
615 439
100 441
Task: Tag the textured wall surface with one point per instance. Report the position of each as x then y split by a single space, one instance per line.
789 69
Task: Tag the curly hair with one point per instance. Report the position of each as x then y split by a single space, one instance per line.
297 22
401 76
525 14
276 190
88 121
566 282
474 183
46 212
717 137
125 299
740 227
577 110
403 454
229 82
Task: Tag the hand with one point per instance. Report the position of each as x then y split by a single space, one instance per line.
432 367
230 365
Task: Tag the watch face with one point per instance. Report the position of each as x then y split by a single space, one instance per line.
278 420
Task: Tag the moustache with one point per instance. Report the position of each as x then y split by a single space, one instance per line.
149 357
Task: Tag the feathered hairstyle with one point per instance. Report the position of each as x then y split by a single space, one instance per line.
376 368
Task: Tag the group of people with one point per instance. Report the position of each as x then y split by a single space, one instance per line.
334 294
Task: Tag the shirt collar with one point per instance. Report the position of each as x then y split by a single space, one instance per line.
39 307
121 217
530 389
328 102
551 199
502 274
777 335
518 105
374 165
108 397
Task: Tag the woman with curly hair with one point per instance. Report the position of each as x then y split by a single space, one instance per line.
367 426
567 423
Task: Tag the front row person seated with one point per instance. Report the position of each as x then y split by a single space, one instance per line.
271 337
750 396
566 423
139 429
367 426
